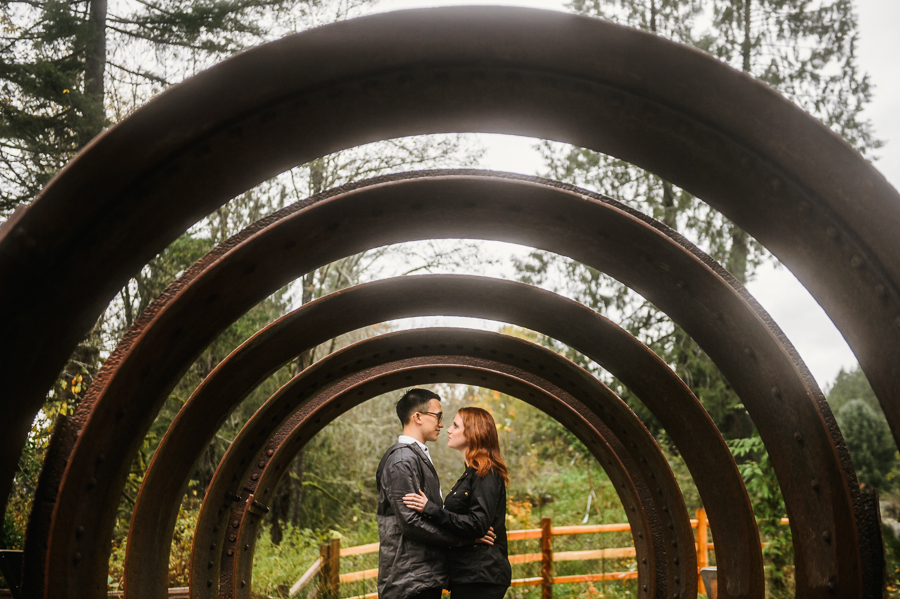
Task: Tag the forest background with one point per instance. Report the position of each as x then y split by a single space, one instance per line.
70 69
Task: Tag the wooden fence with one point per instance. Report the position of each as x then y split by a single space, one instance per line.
329 563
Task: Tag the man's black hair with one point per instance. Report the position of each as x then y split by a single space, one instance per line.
414 400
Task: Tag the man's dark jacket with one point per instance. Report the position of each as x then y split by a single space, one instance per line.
412 556
473 505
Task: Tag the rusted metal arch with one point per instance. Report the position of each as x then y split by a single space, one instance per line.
387 377
632 445
476 372
825 507
667 397
664 393
642 96
814 202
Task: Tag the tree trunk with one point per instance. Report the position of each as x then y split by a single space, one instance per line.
316 177
740 246
95 69
288 499
669 205
286 502
737 256
745 47
297 499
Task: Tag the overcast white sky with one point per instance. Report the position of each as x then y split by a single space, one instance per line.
819 343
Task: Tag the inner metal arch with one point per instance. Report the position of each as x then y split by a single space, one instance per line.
473 371
632 445
661 390
790 412
814 202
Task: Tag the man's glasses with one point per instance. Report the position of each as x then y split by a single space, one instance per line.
438 415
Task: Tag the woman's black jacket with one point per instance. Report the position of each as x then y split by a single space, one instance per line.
473 505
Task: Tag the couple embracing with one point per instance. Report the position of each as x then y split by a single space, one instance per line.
429 543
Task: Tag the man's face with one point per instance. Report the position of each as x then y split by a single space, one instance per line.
431 422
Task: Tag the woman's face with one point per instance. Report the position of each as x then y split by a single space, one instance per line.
456 438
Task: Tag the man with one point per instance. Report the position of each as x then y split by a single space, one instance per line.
411 559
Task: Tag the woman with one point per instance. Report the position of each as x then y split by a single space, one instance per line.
476 503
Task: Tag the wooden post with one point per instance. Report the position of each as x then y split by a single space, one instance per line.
702 548
330 574
546 559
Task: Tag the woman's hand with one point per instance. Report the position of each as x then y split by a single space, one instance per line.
415 502
488 539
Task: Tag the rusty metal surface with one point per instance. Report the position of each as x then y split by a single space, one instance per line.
375 381
814 202
666 396
612 418
831 553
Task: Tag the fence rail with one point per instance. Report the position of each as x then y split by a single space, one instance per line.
328 565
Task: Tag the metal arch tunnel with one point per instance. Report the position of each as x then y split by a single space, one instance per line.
626 450
655 553
665 394
598 85
666 269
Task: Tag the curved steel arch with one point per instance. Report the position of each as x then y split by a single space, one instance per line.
666 396
476 372
718 481
632 445
826 509
816 203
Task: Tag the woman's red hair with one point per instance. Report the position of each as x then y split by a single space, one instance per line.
482 442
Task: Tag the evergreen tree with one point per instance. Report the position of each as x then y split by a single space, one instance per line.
70 68
849 385
869 442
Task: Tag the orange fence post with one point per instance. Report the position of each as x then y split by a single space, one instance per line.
702 547
330 574
546 559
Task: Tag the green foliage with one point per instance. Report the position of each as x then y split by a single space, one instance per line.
70 68
180 558
803 48
806 49
849 385
276 567
869 442
672 18
24 485
768 505
46 114
891 528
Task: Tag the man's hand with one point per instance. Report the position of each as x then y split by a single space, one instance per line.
487 539
415 501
